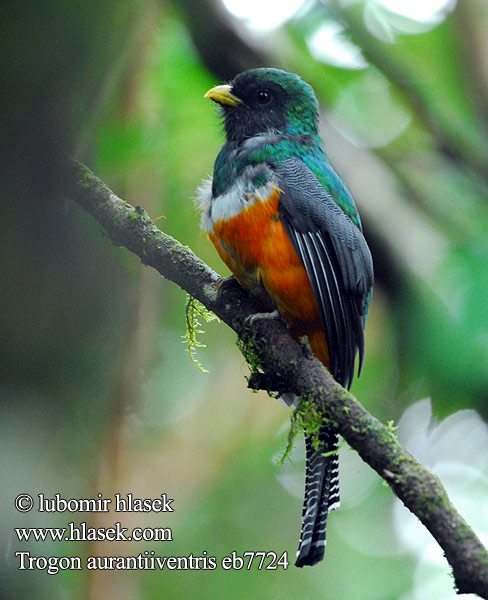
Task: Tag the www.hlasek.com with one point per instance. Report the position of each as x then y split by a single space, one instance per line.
145 560
84 533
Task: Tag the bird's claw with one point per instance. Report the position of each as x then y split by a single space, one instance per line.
226 283
262 315
225 287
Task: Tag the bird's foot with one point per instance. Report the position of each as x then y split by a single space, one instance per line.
227 283
262 315
227 288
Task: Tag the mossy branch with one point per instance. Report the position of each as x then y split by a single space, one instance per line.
284 365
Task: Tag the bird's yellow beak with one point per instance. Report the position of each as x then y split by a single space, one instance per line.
222 95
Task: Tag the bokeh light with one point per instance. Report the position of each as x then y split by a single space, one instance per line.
429 11
328 44
263 14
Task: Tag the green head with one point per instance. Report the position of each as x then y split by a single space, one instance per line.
263 100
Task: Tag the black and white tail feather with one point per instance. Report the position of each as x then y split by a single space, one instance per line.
340 269
321 495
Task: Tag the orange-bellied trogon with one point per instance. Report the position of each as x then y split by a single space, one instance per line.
286 225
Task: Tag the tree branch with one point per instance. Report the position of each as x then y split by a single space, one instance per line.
287 366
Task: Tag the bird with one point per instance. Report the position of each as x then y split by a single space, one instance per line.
286 225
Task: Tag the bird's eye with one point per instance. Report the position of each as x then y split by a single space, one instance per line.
263 97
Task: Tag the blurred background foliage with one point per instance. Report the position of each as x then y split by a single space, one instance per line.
98 393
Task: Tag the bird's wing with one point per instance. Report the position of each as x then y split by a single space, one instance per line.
337 260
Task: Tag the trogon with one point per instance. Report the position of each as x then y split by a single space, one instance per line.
287 227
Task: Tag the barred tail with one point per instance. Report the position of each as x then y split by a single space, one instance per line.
321 495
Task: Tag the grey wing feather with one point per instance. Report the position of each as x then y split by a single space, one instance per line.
336 258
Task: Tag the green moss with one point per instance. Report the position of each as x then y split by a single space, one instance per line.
392 428
246 346
306 417
194 310
88 178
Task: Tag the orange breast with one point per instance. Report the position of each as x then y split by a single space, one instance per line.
257 249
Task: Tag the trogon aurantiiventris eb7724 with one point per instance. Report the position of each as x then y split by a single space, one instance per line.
286 225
